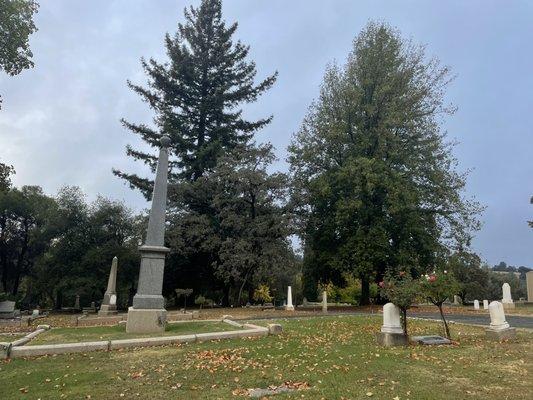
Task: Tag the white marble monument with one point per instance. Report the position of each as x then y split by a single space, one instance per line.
391 331
499 328
476 304
289 306
507 300
485 304
324 301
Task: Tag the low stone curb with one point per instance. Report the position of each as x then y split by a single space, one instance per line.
48 349
6 348
231 322
51 349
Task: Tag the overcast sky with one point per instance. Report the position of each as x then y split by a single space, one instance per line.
60 121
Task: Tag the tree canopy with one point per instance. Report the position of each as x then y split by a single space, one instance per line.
375 183
16 26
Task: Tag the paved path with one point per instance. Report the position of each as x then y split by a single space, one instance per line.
473 319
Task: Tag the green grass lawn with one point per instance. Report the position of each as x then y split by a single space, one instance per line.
336 356
95 333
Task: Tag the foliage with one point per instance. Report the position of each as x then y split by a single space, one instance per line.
203 302
350 291
228 226
262 294
437 287
239 238
472 277
197 97
402 290
496 281
86 237
183 293
530 223
25 232
375 184
16 26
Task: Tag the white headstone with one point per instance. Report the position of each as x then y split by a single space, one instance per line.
476 304
391 319
485 304
289 306
325 301
456 300
506 289
35 313
497 316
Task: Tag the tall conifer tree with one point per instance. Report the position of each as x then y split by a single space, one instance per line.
197 97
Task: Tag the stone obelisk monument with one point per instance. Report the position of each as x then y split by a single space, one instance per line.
148 314
109 303
529 284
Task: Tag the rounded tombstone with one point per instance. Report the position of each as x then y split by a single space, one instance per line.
497 316
391 319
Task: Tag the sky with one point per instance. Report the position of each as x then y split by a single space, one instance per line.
60 121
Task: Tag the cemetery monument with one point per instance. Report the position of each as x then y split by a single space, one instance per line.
529 283
289 306
499 328
109 303
148 314
391 331
507 300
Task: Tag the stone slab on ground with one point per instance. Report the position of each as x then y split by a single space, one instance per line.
430 340
505 334
260 393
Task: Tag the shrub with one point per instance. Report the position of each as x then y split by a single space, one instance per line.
401 290
436 288
262 294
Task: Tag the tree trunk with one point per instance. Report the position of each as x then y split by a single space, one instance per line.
446 329
404 321
365 292
225 297
59 300
20 261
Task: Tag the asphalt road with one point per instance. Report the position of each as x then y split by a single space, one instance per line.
480 319
474 319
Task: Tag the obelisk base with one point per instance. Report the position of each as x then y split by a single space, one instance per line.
107 310
289 308
508 306
146 320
